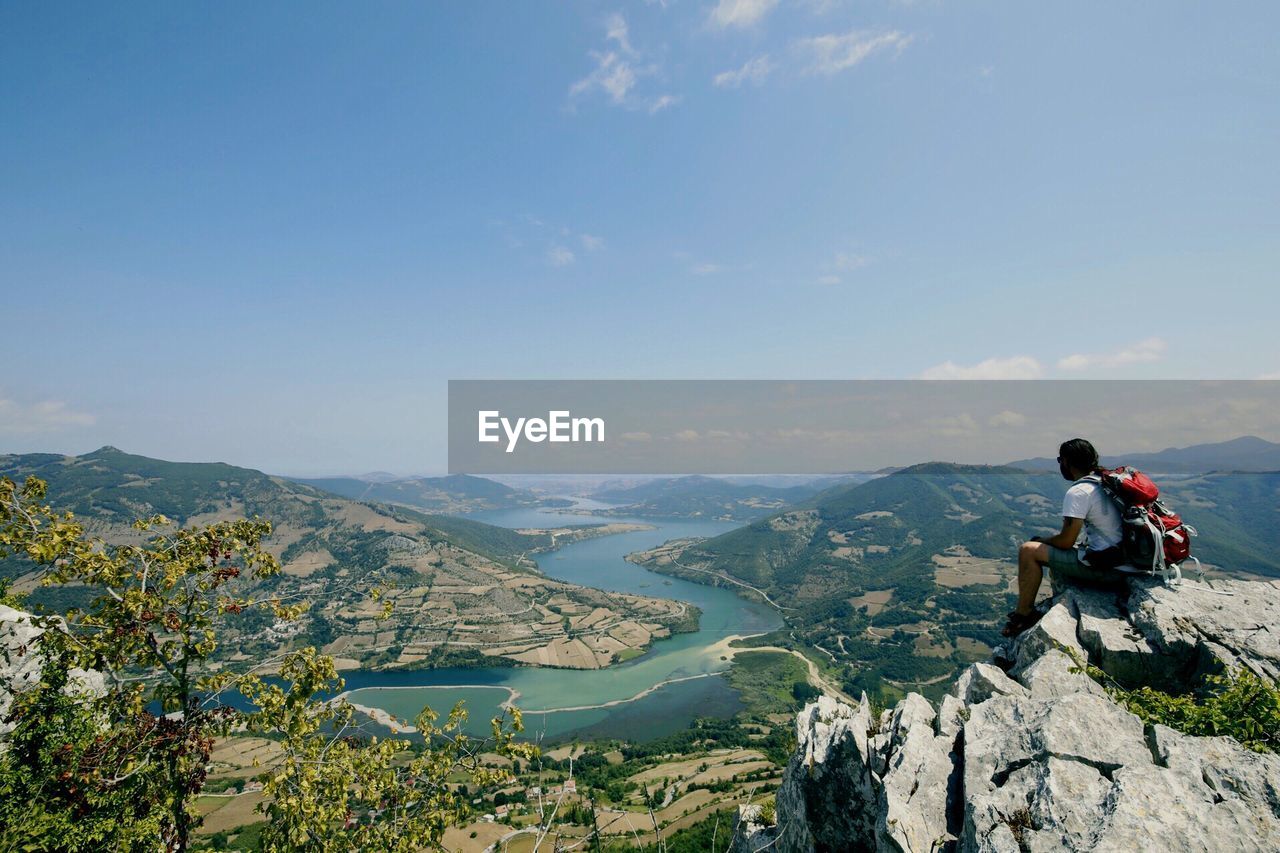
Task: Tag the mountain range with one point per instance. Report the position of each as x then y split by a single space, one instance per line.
457 493
1246 453
703 497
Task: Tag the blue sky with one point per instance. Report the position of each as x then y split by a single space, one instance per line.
269 233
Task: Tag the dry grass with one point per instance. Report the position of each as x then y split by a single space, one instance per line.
688 768
956 571
234 756
972 646
229 812
486 834
309 563
926 646
874 600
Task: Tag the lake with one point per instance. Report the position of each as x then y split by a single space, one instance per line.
561 703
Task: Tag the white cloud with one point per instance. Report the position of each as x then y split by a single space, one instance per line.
706 269
1015 367
559 256
845 262
556 242
40 416
951 426
1270 376
687 435
754 71
616 31
1007 419
740 13
1143 352
612 75
661 102
618 71
836 52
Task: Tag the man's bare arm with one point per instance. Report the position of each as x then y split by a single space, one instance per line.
1065 538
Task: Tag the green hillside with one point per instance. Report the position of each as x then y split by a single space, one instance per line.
904 518
111 486
109 483
440 572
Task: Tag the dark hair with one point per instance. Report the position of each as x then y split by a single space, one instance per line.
1079 455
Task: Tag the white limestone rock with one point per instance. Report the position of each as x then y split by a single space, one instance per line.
21 664
981 681
1054 674
1055 630
1046 760
1242 787
1115 645
827 797
1042 768
750 833
951 716
1199 623
917 782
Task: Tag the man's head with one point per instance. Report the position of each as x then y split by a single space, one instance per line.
1076 458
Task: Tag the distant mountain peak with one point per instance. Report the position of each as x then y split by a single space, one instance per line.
378 477
1249 441
936 468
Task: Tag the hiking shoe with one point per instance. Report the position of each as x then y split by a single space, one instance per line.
1019 622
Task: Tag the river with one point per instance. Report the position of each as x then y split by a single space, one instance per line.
680 674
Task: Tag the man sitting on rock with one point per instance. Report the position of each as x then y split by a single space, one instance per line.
1084 507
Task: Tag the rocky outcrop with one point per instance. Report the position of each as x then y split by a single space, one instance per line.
19 667
21 664
1237 623
1030 753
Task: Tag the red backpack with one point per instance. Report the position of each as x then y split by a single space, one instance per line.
1155 539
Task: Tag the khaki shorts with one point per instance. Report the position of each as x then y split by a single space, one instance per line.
1065 567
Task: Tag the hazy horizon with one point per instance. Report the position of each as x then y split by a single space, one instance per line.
526 479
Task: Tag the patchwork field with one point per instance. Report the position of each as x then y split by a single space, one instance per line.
956 568
664 797
874 600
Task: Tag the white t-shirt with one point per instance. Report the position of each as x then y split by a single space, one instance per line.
1102 526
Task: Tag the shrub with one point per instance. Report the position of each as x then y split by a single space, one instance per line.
100 769
1237 704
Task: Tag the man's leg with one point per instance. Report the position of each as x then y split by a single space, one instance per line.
1032 557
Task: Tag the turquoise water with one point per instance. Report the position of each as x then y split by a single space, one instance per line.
558 703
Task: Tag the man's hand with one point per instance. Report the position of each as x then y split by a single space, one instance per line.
1066 539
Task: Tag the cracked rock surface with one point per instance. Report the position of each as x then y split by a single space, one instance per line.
1041 758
